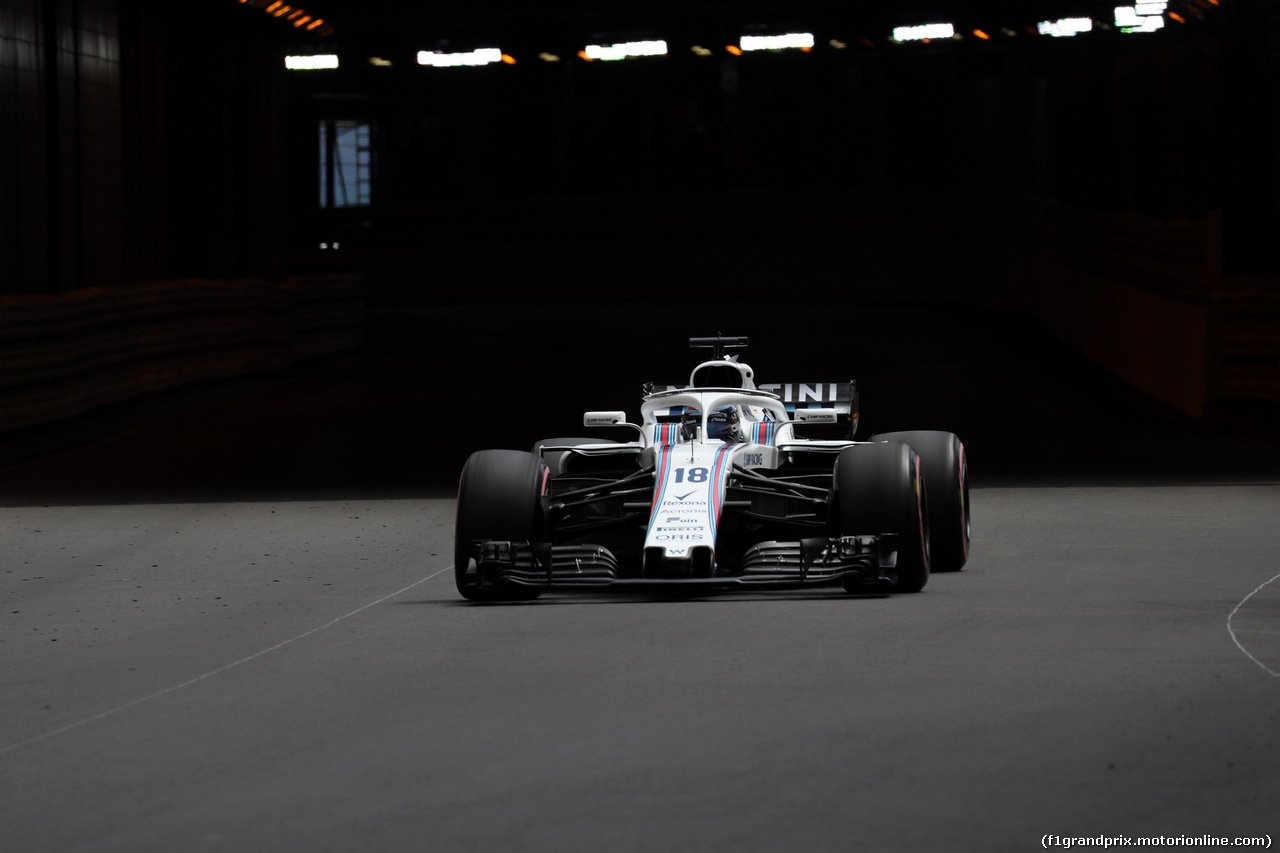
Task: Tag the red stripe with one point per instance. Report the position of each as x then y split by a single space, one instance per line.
717 486
920 508
664 460
964 534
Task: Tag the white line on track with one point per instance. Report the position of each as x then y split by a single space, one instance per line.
1232 631
214 672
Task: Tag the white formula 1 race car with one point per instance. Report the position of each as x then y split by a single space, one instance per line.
718 490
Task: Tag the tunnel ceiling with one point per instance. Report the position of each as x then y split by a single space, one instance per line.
359 19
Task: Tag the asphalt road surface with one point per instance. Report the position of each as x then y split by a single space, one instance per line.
234 627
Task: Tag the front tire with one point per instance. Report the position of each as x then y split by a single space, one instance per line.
880 488
946 470
498 498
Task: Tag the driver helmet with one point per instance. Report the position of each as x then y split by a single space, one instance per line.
723 424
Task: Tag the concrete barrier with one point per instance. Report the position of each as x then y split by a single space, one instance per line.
1148 300
63 355
1245 342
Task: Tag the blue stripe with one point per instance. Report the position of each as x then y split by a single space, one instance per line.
660 488
718 471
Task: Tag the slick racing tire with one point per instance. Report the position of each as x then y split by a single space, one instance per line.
946 472
880 488
498 497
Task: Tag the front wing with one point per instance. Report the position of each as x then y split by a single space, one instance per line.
850 560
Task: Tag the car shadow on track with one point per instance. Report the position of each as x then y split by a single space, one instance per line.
579 599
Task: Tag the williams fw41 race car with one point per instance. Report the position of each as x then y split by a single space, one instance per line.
718 490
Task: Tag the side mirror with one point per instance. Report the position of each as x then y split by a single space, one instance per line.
599 419
815 416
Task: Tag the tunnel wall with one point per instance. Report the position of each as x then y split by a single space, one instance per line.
1135 294
1149 300
64 355
139 141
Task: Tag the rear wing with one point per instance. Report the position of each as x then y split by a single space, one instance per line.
841 396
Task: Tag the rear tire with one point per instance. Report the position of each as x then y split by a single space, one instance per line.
946 470
498 498
880 488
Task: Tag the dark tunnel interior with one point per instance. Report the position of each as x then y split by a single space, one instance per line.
224 277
